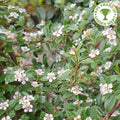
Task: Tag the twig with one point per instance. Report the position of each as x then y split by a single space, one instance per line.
97 44
41 41
112 110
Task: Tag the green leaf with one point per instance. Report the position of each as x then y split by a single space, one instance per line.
88 60
18 107
50 13
49 107
41 13
56 100
3 59
46 47
31 74
67 95
30 25
79 46
109 103
11 113
9 88
21 20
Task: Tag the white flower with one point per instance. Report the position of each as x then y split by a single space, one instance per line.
20 76
94 74
4 105
8 68
107 49
42 22
21 10
88 118
60 72
94 52
108 65
10 7
51 76
91 3
62 52
11 35
73 5
116 3
17 95
115 113
25 49
28 108
77 102
81 73
58 58
58 32
76 90
77 42
27 36
105 31
39 72
6 118
78 118
99 70
38 44
72 50
88 99
106 88
111 34
13 14
25 101
40 32
35 84
48 117
73 17
33 35
113 42
85 33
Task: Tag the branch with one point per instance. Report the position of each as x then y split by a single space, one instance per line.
41 41
97 44
112 110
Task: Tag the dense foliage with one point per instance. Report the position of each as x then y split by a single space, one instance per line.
56 62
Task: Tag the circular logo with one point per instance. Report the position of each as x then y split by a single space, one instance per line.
105 14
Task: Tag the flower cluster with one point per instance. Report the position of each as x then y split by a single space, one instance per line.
94 53
77 90
111 35
20 76
48 117
4 105
25 101
6 118
106 88
58 32
51 76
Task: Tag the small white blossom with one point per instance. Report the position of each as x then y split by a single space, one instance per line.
17 95
73 17
91 2
76 90
51 76
77 42
62 52
39 72
10 7
58 32
115 113
48 117
8 68
42 22
94 74
25 49
14 15
106 88
4 105
108 65
94 52
116 3
58 58
78 118
78 102
40 32
72 50
21 10
107 49
85 33
6 118
88 118
113 42
99 70
72 5
35 84
60 72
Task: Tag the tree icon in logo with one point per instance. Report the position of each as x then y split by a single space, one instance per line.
105 12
